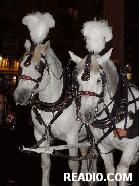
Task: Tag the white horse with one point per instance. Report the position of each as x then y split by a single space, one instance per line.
98 81
42 73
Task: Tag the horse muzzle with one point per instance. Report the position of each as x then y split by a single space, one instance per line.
87 117
21 96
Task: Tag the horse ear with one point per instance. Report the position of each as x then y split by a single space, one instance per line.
75 58
45 47
105 57
27 44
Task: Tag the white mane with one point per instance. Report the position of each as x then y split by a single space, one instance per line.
55 63
111 75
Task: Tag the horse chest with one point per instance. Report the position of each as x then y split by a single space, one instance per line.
59 129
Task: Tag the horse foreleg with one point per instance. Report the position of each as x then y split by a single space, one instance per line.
84 166
73 165
109 166
123 167
45 165
89 165
45 160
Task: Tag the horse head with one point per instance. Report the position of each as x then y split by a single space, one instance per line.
95 74
34 67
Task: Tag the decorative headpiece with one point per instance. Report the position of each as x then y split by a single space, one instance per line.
38 25
96 33
86 74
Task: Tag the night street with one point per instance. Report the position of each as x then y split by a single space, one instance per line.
49 50
24 169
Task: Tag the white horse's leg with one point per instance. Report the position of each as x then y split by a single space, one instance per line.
73 165
89 165
84 166
109 167
45 160
45 165
93 166
126 159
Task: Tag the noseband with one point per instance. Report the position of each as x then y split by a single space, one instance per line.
25 77
89 93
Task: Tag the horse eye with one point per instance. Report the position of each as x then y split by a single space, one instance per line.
27 63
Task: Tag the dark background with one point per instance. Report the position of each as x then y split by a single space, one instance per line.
122 15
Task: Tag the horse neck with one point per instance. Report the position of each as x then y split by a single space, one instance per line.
53 90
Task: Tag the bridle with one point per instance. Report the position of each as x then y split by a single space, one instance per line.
86 76
119 100
40 68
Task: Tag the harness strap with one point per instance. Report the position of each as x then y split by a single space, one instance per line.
52 121
73 158
109 115
38 117
133 101
89 134
89 93
55 117
41 121
101 139
133 98
35 146
48 128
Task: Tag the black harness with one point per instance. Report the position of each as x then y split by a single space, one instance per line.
70 92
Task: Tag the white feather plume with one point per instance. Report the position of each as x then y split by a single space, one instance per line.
96 33
38 25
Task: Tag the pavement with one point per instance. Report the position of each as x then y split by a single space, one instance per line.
24 169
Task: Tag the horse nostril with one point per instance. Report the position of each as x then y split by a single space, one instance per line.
82 117
21 98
